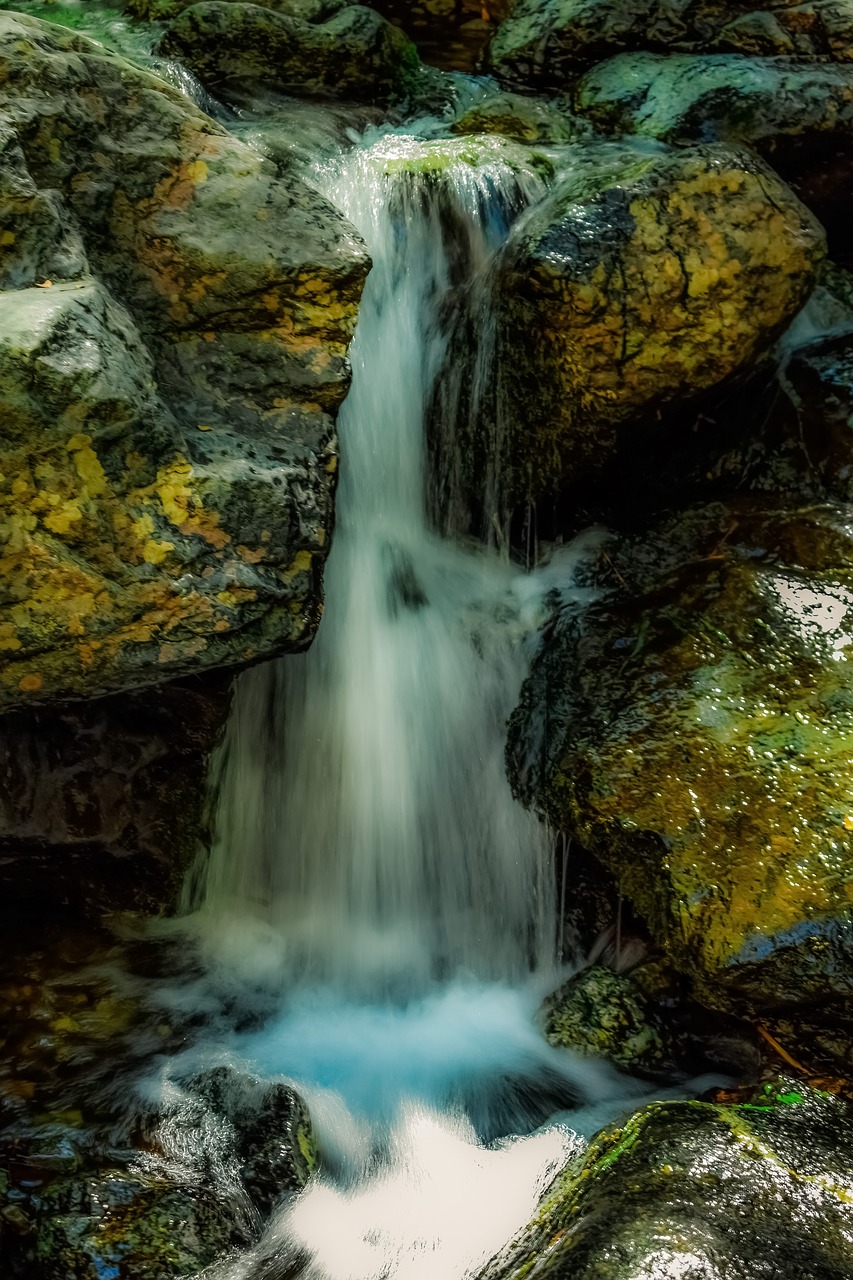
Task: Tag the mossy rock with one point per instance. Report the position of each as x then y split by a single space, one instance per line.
169 455
303 10
355 54
131 1226
521 118
694 728
798 117
546 42
701 1191
642 281
737 99
599 1013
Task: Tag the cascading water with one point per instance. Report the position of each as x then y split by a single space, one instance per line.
364 808
377 908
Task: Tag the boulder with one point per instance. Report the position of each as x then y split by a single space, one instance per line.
701 1191
168 391
693 730
122 1223
643 280
798 117
355 54
273 1138
599 1013
303 10
546 42
644 1022
753 100
520 118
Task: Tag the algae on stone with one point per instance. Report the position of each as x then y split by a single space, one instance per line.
545 42
694 730
354 54
168 423
702 1191
643 279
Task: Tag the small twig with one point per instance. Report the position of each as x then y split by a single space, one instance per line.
615 570
783 1053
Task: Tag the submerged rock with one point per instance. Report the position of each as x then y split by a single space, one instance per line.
643 279
169 452
693 729
544 42
355 54
701 1191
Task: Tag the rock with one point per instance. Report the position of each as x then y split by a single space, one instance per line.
819 381
522 119
645 1022
138 1226
736 99
600 1013
168 467
641 281
304 10
39 239
104 804
701 1191
273 1138
698 741
356 54
545 42
798 117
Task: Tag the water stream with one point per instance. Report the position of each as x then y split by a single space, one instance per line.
377 906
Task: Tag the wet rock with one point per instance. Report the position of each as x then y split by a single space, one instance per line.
168 464
545 42
693 730
355 54
522 119
819 381
274 1142
303 10
128 1224
644 1022
641 281
701 1191
600 1013
104 803
739 99
39 239
797 117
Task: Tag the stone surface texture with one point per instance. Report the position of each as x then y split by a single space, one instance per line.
643 279
693 730
701 1191
545 42
173 342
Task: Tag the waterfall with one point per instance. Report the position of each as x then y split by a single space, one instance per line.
364 813
377 917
